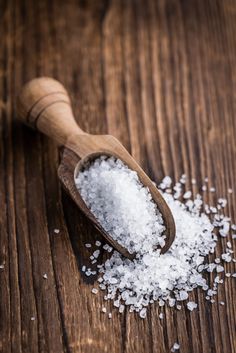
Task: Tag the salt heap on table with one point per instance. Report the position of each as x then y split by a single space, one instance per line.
168 278
121 204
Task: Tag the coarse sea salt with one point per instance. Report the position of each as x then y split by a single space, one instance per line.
122 205
151 277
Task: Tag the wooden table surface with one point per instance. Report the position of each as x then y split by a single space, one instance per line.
159 75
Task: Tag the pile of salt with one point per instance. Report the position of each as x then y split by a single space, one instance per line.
167 278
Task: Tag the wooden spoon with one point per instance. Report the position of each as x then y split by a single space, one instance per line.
44 104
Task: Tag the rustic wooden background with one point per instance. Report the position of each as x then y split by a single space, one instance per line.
159 75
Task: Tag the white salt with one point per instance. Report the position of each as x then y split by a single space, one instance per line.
94 291
175 347
96 254
187 195
56 231
45 276
143 313
170 277
191 306
136 223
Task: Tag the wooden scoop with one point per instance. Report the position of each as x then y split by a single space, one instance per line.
44 104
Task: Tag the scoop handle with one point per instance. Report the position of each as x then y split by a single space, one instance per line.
44 104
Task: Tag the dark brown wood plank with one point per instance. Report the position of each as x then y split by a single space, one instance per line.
160 76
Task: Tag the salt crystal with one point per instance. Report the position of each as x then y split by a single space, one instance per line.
219 268
121 308
104 310
96 254
143 313
191 306
193 181
222 303
212 189
32 318
175 347
166 183
110 315
183 295
222 202
204 188
88 245
187 195
226 257
230 191
94 291
98 243
161 316
2 266
45 276
56 231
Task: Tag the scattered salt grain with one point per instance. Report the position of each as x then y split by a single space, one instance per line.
96 254
88 245
193 181
56 231
191 306
104 310
222 202
166 183
226 257
83 268
204 188
161 316
143 313
1 266
110 315
234 275
94 291
219 268
45 276
212 189
230 191
222 303
98 243
175 347
187 195
107 247
32 318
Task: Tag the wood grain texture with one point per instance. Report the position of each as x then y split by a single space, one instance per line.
160 76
